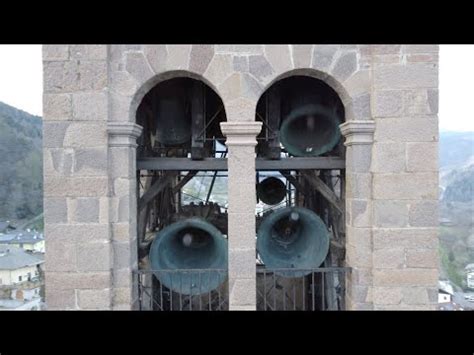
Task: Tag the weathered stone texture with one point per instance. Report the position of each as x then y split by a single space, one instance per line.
391 174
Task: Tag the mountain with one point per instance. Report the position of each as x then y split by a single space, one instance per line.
21 164
456 160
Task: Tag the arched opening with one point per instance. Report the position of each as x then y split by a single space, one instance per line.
182 197
300 197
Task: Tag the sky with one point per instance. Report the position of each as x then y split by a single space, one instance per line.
21 83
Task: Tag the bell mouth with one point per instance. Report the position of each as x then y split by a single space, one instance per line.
271 191
194 238
310 130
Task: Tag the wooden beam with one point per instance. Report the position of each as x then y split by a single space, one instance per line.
154 190
220 164
323 189
184 181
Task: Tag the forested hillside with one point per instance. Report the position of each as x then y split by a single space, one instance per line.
21 164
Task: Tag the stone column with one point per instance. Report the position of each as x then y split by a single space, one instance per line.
358 140
241 141
123 212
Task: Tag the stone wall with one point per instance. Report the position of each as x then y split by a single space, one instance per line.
90 97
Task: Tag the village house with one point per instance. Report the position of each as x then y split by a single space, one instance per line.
20 278
28 240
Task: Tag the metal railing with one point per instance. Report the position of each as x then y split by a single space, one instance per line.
319 289
187 290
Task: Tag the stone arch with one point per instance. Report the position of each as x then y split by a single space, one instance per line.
343 93
156 79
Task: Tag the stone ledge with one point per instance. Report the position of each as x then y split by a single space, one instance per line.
123 134
241 133
358 132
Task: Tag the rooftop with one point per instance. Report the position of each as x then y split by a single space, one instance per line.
21 236
12 258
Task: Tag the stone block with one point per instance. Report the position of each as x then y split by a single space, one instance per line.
405 238
54 133
76 233
122 255
405 277
92 75
422 258
93 257
121 162
241 49
94 299
55 210
242 197
415 102
90 106
279 57
57 107
239 225
219 69
86 210
178 56
251 88
157 56
361 213
345 66
415 296
302 55
417 75
61 256
359 83
74 280
243 292
406 186
422 157
358 256
58 161
388 103
414 129
422 48
88 52
60 299
359 158
242 263
230 90
424 213
55 52
122 232
137 65
388 158
85 135
200 57
389 258
361 107
240 63
358 186
323 56
390 213
75 186
387 295
260 68
90 162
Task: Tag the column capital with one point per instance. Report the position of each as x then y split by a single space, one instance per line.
241 133
123 134
358 132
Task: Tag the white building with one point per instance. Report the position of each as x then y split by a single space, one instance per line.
445 292
20 278
26 239
470 275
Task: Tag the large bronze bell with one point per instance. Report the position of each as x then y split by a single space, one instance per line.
292 238
189 257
